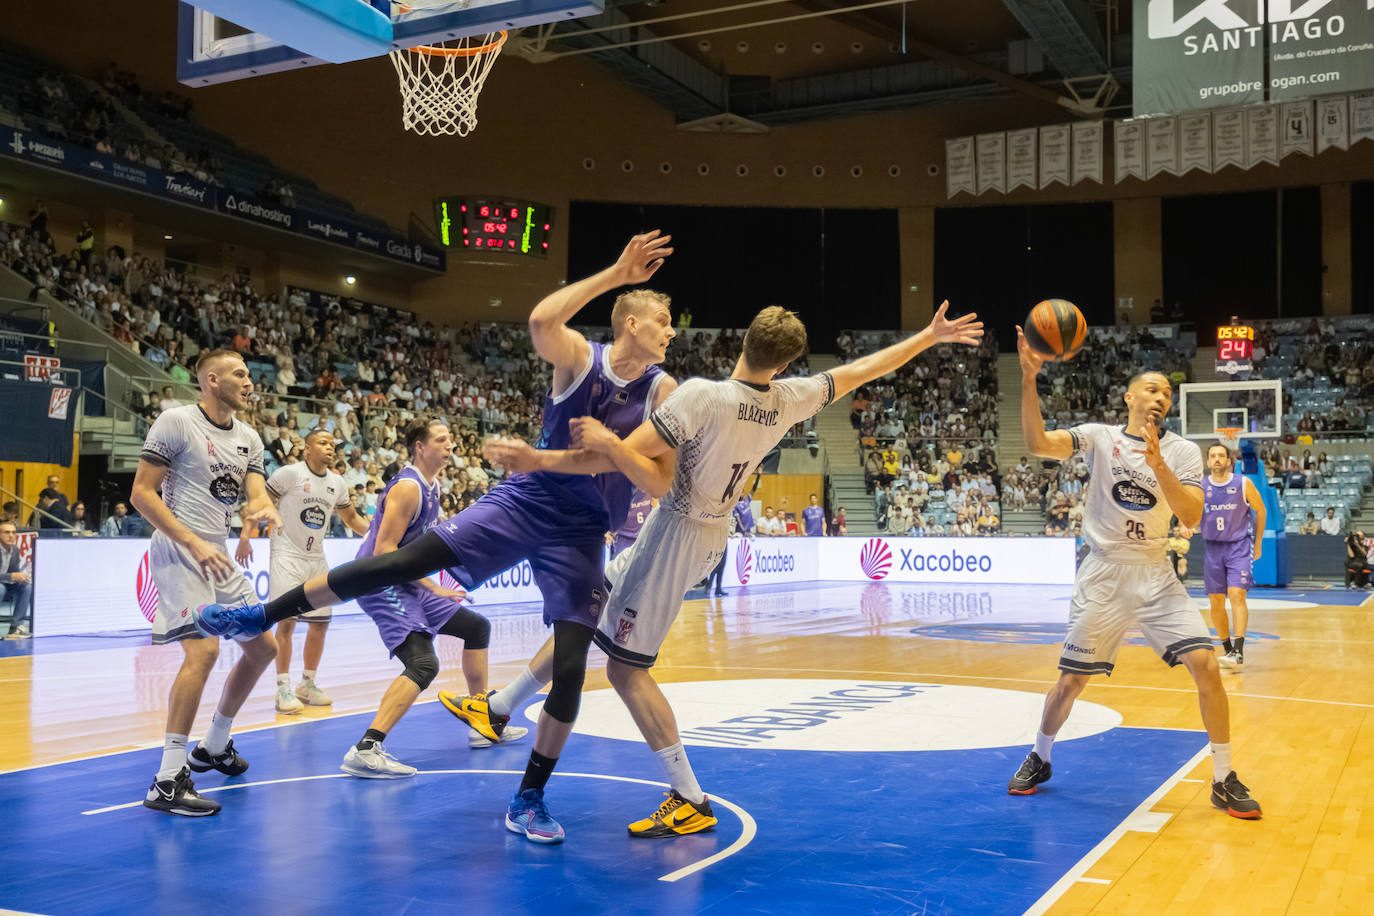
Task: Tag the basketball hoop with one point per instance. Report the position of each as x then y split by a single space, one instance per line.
1229 436
440 83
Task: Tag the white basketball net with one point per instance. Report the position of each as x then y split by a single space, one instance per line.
440 84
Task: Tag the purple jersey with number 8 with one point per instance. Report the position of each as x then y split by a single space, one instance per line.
1225 513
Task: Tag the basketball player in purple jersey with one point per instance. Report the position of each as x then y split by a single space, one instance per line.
813 518
555 521
1233 546
640 506
410 614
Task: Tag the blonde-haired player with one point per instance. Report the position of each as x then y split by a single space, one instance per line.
306 494
1140 477
196 461
697 452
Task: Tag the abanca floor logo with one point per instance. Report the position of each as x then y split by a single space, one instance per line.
744 563
875 559
146 589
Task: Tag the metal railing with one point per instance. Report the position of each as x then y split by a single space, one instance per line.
67 528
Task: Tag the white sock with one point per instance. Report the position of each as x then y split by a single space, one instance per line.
308 675
173 756
284 680
217 738
1043 744
680 775
511 696
1221 761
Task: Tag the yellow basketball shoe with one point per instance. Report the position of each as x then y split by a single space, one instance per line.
475 711
676 817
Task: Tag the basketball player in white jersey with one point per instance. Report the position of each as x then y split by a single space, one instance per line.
1140 477
697 452
306 494
201 458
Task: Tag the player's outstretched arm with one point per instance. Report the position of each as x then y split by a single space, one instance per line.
642 456
1039 441
351 517
559 344
965 330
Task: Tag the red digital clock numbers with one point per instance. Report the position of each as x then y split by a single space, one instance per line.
1235 342
515 227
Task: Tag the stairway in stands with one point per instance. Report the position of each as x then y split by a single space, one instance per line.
841 444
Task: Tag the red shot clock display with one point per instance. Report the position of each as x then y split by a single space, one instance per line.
494 224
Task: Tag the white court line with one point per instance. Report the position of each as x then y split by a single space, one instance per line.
1142 816
1094 881
747 822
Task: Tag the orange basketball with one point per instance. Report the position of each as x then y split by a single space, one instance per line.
1056 329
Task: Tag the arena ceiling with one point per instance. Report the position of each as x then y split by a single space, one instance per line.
747 64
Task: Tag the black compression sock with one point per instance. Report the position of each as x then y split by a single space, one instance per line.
1226 644
1240 645
371 737
288 605
538 771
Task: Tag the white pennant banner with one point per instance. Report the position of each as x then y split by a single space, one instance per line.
1361 117
1021 159
1228 139
1262 135
992 162
959 166
1195 143
1297 129
1333 124
1087 151
1161 153
1129 140
1054 155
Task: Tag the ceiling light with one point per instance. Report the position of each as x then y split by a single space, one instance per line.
350 279
166 237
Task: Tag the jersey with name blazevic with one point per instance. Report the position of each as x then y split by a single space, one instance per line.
206 466
305 502
1125 514
722 430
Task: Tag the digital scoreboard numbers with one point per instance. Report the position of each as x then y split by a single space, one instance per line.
493 224
1235 350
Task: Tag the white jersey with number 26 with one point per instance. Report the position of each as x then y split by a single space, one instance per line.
1125 515
722 430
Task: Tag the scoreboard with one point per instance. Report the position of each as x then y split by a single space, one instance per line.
1235 350
517 227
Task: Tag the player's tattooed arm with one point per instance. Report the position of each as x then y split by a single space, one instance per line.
1056 443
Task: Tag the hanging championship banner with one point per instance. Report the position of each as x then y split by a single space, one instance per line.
992 162
1191 54
1087 151
1361 117
1228 139
1195 143
1297 129
1319 46
1021 159
1161 146
1054 155
959 166
1333 124
1129 140
1262 135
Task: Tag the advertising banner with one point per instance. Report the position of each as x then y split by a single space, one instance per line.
1318 47
1026 561
1087 151
1054 155
1192 54
1021 158
959 170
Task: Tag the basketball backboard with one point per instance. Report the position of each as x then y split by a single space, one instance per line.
1254 409
223 40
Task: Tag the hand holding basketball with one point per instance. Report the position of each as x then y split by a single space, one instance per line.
1056 329
966 329
642 257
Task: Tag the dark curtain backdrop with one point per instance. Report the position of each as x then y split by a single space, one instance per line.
836 268
1362 248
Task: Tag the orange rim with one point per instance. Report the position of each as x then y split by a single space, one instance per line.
1228 432
436 51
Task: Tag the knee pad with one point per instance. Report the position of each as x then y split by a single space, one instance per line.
565 694
469 626
417 654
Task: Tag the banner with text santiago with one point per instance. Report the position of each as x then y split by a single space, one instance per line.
1196 54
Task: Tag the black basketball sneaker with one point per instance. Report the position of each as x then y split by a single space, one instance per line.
227 761
178 796
1033 771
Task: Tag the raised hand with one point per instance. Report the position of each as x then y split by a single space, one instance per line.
966 329
1031 361
642 257
1153 457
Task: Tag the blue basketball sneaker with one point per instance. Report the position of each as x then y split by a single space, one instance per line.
527 815
230 620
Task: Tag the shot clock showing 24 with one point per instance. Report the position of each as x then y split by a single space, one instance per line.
1235 349
492 224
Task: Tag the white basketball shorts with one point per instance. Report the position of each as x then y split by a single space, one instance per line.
181 588
287 570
